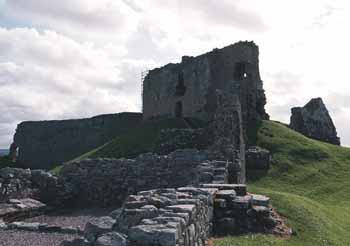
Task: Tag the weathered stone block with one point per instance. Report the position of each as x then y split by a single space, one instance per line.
111 239
257 158
150 235
95 228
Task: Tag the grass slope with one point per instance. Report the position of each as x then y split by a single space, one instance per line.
309 183
5 162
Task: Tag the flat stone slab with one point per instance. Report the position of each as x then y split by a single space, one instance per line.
225 194
242 202
148 235
260 200
183 208
241 189
20 208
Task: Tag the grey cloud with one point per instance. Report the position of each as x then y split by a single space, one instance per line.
70 11
283 82
228 13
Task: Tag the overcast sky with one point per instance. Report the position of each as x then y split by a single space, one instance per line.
79 58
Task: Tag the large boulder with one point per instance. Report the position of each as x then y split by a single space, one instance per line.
314 121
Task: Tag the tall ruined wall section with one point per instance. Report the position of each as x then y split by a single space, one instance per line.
227 127
188 89
43 144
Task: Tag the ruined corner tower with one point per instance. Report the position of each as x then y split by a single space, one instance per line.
188 89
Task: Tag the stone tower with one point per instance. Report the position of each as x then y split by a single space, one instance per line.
188 89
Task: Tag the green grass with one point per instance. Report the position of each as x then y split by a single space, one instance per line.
5 161
309 183
135 140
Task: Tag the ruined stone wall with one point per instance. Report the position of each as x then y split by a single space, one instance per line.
17 183
189 88
44 144
229 132
314 121
109 181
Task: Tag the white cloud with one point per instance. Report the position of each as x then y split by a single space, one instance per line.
77 58
52 77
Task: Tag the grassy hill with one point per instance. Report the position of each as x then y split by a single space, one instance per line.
309 184
5 162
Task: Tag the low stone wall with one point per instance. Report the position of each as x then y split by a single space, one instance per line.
186 216
109 181
162 217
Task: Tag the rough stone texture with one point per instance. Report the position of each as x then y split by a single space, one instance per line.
44 144
111 239
26 238
37 184
257 158
186 216
98 227
109 181
173 139
189 88
228 131
185 220
314 121
16 209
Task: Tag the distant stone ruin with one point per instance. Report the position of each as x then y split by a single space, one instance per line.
46 144
314 121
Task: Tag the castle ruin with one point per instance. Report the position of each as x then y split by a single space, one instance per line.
180 198
188 89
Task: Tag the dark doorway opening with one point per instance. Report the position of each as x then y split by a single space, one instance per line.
180 87
178 110
240 71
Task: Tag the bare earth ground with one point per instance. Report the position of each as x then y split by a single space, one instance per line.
75 218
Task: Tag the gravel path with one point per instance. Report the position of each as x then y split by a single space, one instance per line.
76 218
22 238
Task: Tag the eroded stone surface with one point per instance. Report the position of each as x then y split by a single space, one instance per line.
314 121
